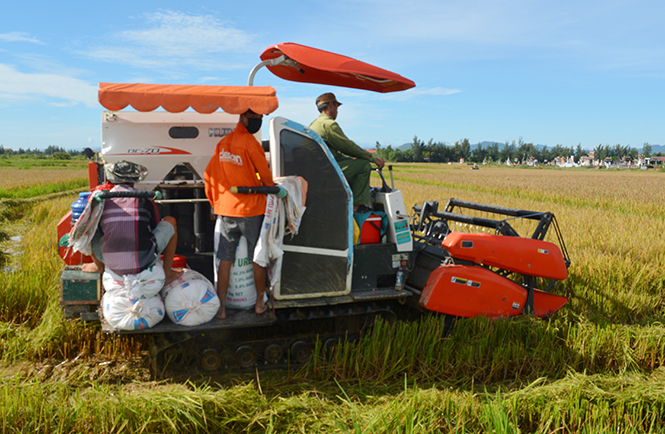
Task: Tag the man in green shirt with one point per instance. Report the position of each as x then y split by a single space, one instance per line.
354 161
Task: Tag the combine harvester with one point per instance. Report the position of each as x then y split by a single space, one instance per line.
330 289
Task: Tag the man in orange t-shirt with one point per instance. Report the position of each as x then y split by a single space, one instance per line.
237 159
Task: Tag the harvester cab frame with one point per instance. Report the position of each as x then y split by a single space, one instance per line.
330 287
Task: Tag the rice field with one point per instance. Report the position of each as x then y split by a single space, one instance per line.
11 178
28 181
597 366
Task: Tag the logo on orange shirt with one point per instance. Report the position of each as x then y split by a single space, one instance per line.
227 157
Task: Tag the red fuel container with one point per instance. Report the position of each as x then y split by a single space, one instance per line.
179 261
370 233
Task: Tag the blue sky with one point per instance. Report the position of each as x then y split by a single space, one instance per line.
551 72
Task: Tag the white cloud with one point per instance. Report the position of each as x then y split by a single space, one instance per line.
16 85
48 63
210 79
418 92
434 91
175 39
19 37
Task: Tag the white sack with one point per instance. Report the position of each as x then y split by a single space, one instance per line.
241 292
124 313
190 299
146 284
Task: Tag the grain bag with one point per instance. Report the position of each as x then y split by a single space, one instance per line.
145 284
124 313
190 299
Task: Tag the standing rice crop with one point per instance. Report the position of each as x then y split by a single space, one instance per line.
596 366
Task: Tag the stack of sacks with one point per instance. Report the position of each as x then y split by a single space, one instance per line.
190 299
132 302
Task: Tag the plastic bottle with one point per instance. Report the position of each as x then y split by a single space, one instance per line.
79 205
399 280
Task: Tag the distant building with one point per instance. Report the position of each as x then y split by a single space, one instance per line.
655 161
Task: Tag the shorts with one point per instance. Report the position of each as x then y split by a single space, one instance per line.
163 233
228 231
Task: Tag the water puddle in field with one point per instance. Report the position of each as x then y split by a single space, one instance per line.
9 249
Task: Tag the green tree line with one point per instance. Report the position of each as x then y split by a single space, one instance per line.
52 151
437 152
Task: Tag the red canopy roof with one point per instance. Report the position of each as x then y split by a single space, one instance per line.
324 67
177 98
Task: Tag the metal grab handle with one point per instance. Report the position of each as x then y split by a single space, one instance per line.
106 194
254 190
392 181
383 180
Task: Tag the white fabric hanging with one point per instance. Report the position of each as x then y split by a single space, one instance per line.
80 237
279 214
